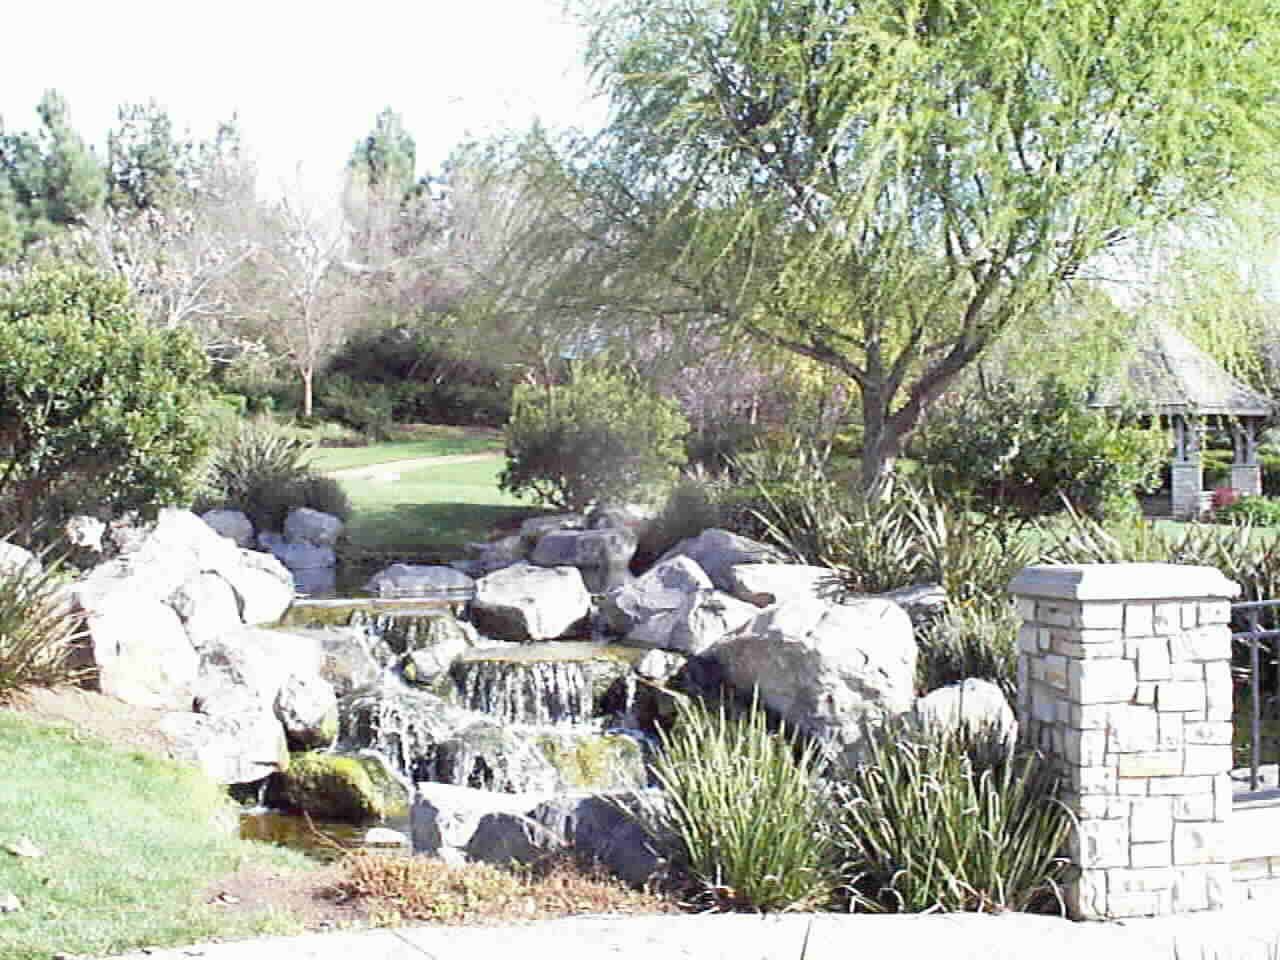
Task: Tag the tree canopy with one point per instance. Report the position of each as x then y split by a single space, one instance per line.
886 186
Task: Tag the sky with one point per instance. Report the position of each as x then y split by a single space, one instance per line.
306 80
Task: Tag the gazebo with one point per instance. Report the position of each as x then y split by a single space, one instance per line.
1168 376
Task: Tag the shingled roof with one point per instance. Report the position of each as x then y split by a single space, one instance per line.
1167 373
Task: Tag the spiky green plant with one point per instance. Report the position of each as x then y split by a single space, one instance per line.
955 820
742 818
38 630
974 639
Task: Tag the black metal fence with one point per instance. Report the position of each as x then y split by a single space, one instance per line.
1255 639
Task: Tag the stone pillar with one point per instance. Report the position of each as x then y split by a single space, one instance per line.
1246 474
1246 479
1124 677
1186 472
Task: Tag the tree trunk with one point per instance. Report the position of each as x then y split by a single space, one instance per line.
307 376
880 446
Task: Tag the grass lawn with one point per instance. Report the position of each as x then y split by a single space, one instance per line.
410 442
129 842
429 509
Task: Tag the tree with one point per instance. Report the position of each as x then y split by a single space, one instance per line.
886 186
297 288
92 399
55 177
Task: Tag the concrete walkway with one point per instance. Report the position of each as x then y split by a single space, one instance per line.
1241 933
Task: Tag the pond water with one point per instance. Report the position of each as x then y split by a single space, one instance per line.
319 839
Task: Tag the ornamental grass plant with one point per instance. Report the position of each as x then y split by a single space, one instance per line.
744 823
951 820
38 630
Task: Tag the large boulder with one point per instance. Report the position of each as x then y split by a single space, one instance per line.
482 558
297 556
305 525
444 816
262 585
239 747
764 584
525 603
207 606
924 603
417 580
595 827
257 661
977 705
140 650
662 590
703 619
334 786
716 551
307 708
16 559
825 668
602 556
535 528
234 524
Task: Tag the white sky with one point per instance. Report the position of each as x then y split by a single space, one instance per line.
305 78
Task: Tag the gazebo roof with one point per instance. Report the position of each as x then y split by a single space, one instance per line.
1167 373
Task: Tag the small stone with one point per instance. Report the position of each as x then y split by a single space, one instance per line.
9 903
385 837
23 847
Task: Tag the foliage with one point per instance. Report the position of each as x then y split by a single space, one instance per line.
974 639
364 407
693 504
885 188
600 437
88 393
1015 451
38 630
742 818
265 472
1259 511
954 820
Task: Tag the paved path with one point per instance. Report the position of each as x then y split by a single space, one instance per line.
392 468
1241 933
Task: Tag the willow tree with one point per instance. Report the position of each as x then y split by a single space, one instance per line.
886 186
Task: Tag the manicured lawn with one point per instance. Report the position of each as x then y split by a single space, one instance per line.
431 509
411 443
129 842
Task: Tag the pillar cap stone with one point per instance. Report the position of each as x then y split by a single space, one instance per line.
1122 581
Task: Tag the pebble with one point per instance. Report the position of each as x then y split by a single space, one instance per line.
23 847
9 903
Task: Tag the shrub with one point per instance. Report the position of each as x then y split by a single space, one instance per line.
366 407
600 437
742 820
975 639
38 631
1017 451
265 472
1260 511
955 820
88 392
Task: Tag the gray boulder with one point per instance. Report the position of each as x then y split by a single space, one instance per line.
263 587
535 528
763 584
239 747
16 559
825 668
444 816
976 704
716 551
628 516
924 603
661 591
416 580
234 524
482 558
307 708
602 556
207 606
258 662
525 602
297 556
140 649
315 527
702 620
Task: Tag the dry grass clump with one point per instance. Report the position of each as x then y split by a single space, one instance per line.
398 889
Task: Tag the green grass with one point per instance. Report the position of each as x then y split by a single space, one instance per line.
129 844
411 443
429 509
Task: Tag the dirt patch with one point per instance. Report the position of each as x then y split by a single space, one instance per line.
96 715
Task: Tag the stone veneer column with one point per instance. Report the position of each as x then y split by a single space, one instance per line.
1186 481
1246 478
1124 677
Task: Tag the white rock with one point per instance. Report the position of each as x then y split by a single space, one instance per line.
524 602
234 748
763 584
663 589
716 551
234 524
141 649
976 704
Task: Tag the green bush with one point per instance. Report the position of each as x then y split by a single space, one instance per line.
94 400
1018 450
742 819
1260 511
975 639
38 631
952 821
265 472
366 407
600 437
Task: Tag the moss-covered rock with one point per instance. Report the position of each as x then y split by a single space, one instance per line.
335 786
610 761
